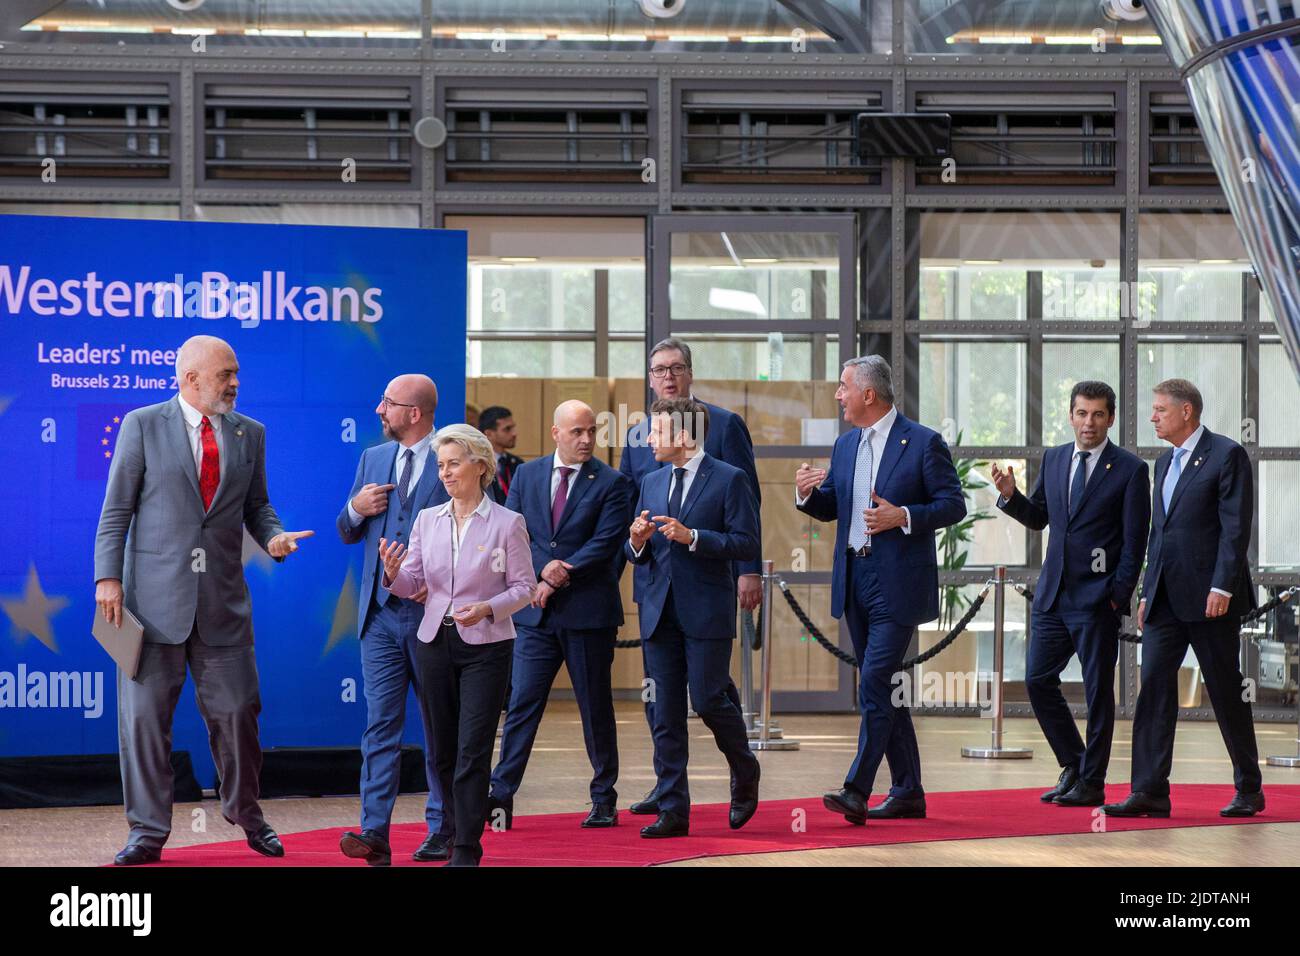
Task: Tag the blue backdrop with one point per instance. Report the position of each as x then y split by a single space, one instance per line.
89 310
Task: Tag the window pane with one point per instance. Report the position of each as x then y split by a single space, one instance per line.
753 275
627 299
772 381
1191 267
1279 514
531 297
992 538
1214 368
1064 365
975 389
1279 398
987 266
532 358
627 359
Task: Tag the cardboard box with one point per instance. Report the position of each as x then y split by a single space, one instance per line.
775 411
593 391
523 396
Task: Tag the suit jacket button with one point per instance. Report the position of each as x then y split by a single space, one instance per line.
552 544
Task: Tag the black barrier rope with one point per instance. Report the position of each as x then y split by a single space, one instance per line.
751 627
1131 638
852 661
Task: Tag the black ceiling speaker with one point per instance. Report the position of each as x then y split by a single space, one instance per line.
902 136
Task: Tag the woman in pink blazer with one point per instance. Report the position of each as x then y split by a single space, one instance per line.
473 556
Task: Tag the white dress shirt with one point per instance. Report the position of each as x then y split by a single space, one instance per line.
556 465
458 530
1094 454
692 466
421 455
1190 444
879 440
194 430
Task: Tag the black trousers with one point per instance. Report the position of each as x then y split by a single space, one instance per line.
1217 644
462 689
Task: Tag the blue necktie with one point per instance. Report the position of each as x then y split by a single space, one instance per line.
1171 477
861 492
1080 479
675 499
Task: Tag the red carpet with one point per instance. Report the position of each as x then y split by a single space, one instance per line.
557 840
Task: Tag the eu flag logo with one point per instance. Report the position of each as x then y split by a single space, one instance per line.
97 429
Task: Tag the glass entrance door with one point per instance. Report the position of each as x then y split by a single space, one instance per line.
768 306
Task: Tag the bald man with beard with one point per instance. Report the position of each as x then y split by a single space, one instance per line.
394 482
188 477
577 511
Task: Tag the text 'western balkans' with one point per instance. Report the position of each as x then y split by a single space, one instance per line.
212 296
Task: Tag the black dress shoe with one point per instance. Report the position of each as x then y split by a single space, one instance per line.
435 847
744 800
669 824
506 807
368 845
849 803
601 815
1069 777
1138 804
1244 805
899 808
1081 795
265 841
135 854
462 856
647 805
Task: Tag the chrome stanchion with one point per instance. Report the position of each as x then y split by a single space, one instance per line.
1289 761
747 679
997 751
769 737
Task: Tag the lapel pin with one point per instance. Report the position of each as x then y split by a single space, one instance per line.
1108 466
1195 463
239 433
591 477
903 442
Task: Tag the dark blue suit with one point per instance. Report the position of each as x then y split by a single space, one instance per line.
727 439
387 628
884 595
1094 556
1199 543
688 620
578 626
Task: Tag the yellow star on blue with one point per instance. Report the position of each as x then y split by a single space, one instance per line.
30 615
344 624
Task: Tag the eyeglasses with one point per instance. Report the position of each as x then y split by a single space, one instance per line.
389 403
659 371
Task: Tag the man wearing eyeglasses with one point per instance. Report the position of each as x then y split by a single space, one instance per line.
394 482
728 440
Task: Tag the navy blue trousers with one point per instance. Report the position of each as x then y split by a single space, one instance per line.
387 670
589 655
1059 634
1217 644
886 730
675 662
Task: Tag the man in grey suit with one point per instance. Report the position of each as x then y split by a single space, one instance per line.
188 476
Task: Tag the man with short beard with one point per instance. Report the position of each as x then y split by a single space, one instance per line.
188 476
394 482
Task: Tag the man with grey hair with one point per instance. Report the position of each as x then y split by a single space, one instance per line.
188 476
728 440
890 487
1196 589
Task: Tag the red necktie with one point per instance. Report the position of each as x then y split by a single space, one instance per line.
210 470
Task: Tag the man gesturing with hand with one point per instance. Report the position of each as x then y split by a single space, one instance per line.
394 481
188 477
